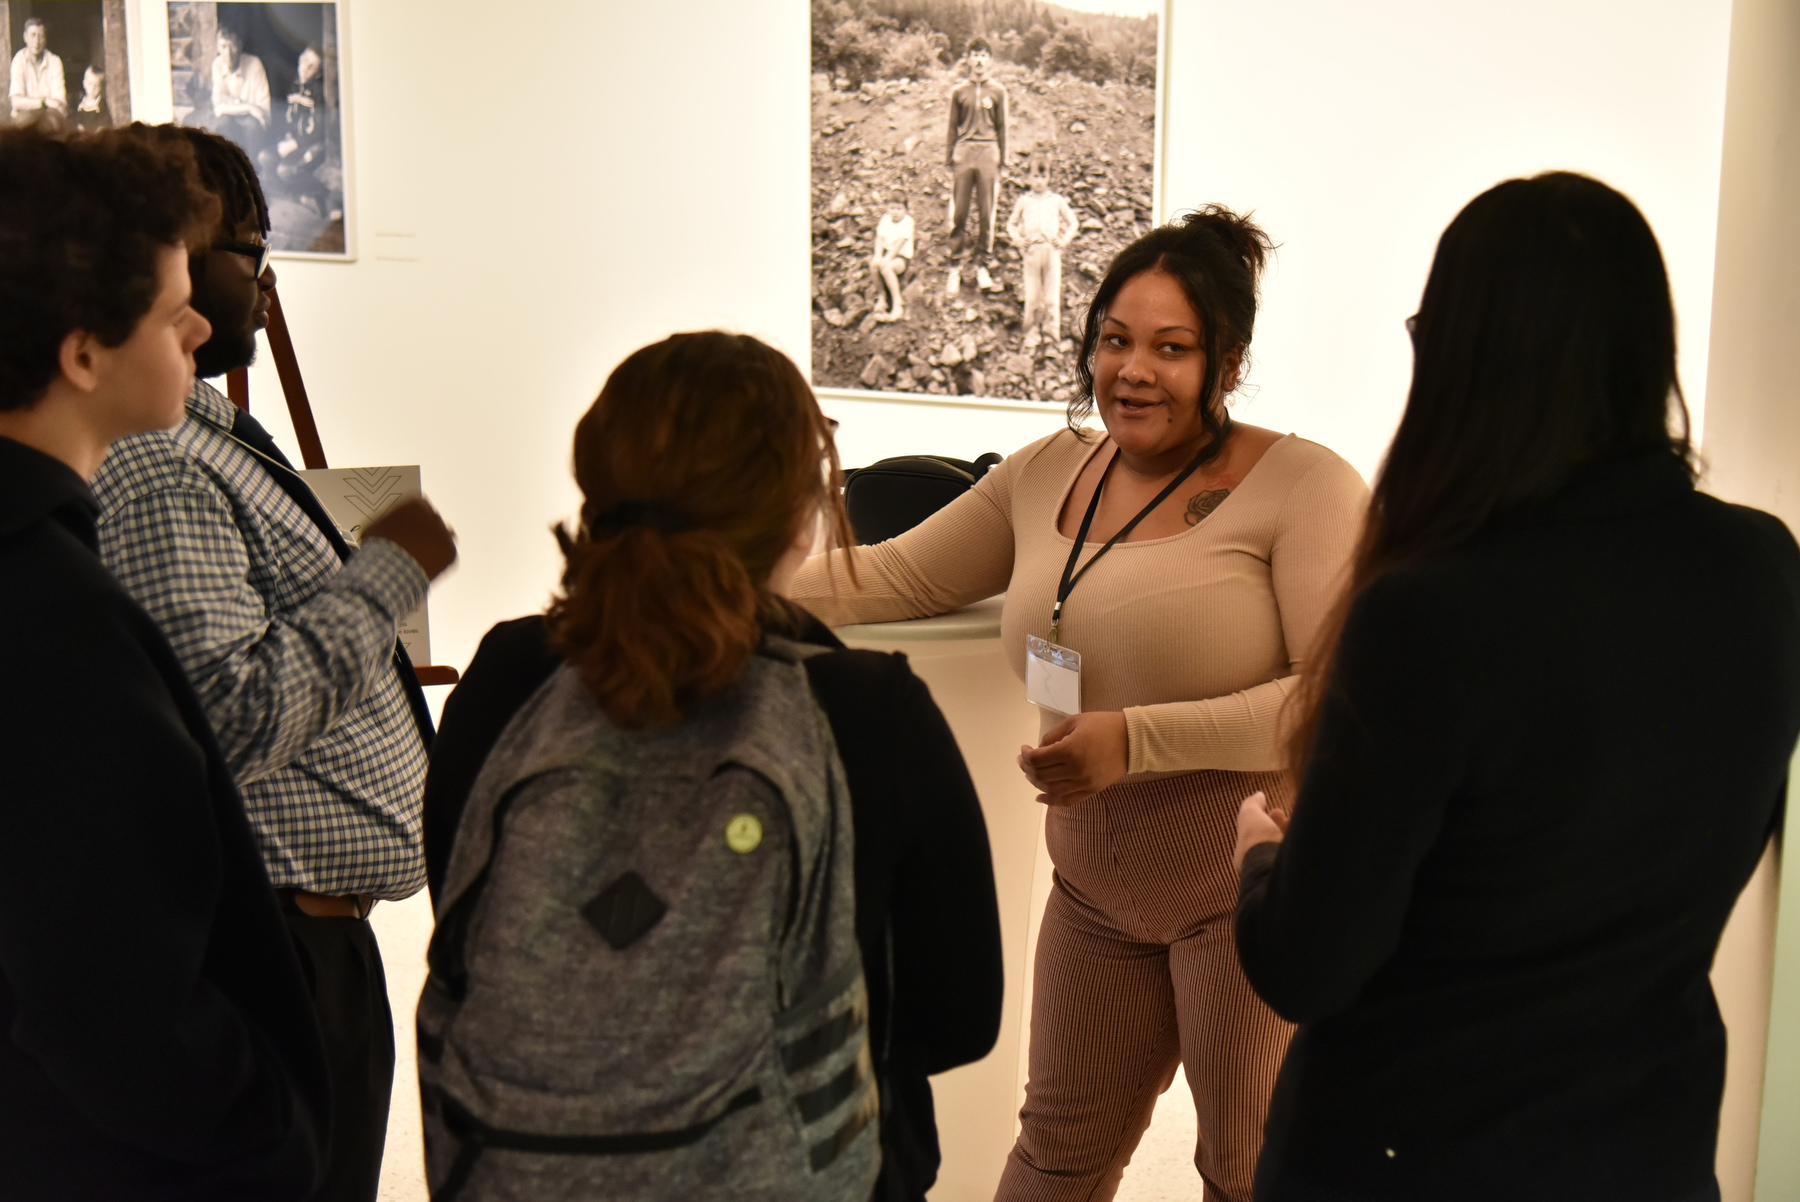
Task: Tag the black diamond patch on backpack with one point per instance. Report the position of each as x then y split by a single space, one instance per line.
624 911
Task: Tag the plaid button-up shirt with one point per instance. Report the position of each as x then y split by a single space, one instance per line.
290 649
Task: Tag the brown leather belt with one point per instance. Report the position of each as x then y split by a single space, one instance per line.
318 905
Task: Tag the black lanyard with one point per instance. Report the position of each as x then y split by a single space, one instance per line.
1070 577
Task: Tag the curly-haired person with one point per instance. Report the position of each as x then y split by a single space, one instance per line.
157 1036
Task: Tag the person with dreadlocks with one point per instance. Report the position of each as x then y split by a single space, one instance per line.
290 640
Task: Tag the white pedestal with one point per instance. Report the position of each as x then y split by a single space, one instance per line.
959 657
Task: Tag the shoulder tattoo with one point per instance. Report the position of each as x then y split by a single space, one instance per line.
1203 503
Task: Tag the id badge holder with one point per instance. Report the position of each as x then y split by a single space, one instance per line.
1052 676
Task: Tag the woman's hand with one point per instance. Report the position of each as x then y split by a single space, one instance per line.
1256 823
1079 757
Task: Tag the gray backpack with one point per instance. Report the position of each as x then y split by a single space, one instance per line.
645 981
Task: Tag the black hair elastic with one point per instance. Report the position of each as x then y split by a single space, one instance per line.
627 514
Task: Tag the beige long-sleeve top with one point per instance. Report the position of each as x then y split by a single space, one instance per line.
1198 637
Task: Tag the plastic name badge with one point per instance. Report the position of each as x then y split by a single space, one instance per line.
1052 676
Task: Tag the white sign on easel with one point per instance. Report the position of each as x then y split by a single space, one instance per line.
355 497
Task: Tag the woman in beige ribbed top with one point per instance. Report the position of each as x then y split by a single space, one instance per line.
1197 637
1191 633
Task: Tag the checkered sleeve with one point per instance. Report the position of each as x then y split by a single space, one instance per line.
272 683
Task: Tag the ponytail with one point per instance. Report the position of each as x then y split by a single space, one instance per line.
654 621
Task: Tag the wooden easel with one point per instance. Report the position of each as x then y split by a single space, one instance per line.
306 430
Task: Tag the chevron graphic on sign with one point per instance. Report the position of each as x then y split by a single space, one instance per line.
356 496
372 491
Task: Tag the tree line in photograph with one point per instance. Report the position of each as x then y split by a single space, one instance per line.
863 40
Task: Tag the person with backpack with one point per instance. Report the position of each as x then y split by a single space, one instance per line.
714 895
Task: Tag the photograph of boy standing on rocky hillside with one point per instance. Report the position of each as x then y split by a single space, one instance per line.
976 154
1042 226
931 119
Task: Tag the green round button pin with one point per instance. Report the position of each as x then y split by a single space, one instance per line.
743 833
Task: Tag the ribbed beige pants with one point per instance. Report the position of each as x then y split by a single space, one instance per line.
1136 972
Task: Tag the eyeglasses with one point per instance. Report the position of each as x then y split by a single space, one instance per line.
260 251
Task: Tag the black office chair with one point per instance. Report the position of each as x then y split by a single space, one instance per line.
891 496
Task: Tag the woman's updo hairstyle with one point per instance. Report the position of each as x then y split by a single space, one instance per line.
697 464
1217 257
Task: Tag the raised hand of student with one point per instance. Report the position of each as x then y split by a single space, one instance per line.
1077 758
1256 824
418 529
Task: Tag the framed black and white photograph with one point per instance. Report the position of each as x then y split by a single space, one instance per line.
975 166
269 77
69 65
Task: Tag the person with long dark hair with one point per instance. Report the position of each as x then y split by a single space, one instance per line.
1189 560
1542 752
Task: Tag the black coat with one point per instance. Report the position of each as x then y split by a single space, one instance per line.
922 865
1549 763
156 1037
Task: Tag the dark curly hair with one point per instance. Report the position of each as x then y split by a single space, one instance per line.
1217 257
82 220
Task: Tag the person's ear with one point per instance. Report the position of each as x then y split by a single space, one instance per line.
1233 371
79 358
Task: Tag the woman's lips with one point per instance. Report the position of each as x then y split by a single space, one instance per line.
1135 404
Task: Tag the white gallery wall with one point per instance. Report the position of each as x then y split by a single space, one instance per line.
1356 132
540 190
1753 449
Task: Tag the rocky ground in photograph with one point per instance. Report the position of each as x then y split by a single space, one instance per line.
887 139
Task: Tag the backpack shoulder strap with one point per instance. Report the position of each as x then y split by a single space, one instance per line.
558 727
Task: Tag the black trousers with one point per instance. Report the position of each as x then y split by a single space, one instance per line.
349 989
974 178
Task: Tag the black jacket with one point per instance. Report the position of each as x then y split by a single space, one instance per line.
156 1037
922 865
1549 763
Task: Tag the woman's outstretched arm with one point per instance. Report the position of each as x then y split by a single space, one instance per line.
959 555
